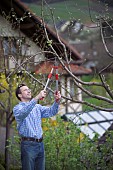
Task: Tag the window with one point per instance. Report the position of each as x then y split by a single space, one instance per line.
12 45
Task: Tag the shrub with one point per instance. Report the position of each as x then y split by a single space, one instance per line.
67 148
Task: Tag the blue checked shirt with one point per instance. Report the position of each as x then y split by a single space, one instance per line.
28 116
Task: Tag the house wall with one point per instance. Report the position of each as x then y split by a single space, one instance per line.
66 83
29 49
74 107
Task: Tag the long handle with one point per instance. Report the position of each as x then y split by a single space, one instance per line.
56 76
49 77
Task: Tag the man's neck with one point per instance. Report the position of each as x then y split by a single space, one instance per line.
25 100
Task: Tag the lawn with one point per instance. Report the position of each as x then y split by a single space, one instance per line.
70 10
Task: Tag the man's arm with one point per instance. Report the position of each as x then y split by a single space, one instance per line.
57 96
41 95
22 110
52 110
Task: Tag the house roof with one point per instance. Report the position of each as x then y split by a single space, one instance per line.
97 55
32 27
45 68
92 122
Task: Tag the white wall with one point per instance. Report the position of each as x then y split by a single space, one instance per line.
32 50
74 107
71 106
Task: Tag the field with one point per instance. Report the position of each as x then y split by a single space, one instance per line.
82 10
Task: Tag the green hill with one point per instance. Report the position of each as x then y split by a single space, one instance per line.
70 10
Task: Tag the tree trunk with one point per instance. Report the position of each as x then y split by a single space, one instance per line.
7 143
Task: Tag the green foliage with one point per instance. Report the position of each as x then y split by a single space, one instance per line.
66 148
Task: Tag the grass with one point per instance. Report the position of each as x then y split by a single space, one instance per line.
70 10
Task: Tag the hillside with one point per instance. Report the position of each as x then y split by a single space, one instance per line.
109 2
39 1
71 10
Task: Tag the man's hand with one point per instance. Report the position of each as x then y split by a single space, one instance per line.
41 95
57 96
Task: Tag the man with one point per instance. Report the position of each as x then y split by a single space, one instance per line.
28 115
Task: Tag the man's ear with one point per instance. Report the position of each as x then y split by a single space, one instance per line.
19 95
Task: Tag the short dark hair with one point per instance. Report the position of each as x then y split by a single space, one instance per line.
18 91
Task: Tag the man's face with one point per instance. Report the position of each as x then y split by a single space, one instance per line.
25 93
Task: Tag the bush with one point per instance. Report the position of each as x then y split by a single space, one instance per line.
67 148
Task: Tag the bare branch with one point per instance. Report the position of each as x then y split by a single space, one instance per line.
103 40
89 104
3 106
106 86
